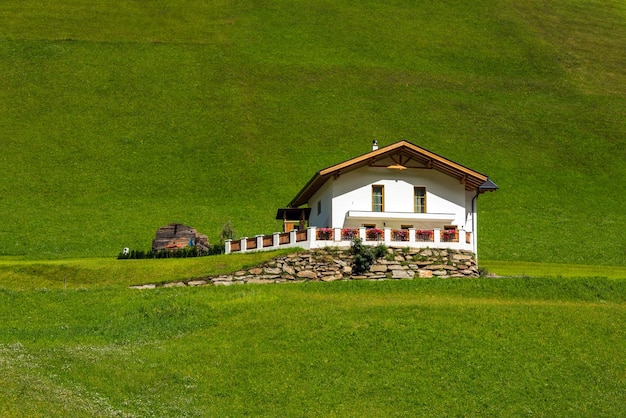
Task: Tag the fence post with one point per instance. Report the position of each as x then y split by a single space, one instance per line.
411 237
244 244
312 237
227 246
276 239
436 235
387 235
362 231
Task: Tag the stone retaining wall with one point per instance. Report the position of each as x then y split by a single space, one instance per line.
333 264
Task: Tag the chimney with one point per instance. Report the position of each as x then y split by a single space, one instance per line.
374 145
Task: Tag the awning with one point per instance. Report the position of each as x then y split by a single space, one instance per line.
293 214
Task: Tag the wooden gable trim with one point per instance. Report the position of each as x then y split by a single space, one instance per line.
395 152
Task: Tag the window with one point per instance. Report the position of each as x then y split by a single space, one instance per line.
377 199
319 207
420 200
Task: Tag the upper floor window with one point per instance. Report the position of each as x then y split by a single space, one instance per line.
377 198
420 199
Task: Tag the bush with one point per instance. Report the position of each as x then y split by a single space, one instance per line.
364 256
380 251
186 252
483 272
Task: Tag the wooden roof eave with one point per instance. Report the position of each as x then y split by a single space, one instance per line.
472 179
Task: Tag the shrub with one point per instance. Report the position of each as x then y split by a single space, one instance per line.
186 252
380 250
364 256
483 272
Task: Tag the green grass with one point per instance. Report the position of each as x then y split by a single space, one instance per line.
76 341
529 269
118 119
488 347
82 274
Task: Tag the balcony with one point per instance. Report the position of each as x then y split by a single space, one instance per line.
425 220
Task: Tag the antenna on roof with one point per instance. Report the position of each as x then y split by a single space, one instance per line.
374 145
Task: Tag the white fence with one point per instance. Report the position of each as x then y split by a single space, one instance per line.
310 238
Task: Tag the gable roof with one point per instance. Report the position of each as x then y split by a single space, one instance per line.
400 155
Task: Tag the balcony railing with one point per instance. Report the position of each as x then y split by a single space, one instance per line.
251 243
449 235
325 234
374 234
400 235
301 235
337 237
425 235
348 234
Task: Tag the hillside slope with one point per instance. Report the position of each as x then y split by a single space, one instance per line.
116 119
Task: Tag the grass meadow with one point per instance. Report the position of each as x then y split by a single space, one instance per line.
117 118
431 347
76 341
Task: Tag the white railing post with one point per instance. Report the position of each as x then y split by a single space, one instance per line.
276 240
387 236
462 244
244 244
436 235
292 236
336 234
227 246
411 237
259 242
312 236
362 236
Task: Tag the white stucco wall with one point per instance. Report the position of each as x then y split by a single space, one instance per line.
352 191
324 196
470 217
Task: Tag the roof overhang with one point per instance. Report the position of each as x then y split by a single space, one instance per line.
402 155
293 214
488 186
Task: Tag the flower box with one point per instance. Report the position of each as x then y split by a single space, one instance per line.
324 234
400 235
424 235
449 235
374 234
348 234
